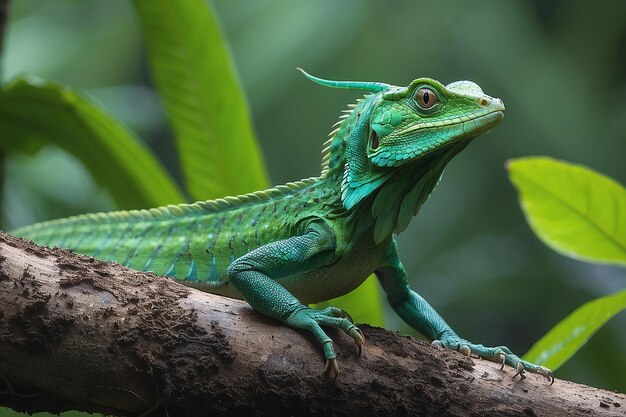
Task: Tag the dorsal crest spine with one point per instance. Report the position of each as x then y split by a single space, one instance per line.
173 211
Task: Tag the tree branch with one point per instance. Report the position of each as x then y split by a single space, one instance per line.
77 333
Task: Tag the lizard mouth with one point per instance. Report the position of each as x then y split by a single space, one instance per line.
462 130
486 122
481 125
491 119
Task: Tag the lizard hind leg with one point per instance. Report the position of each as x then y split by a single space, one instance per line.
255 277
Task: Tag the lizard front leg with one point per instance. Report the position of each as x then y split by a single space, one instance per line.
416 311
254 276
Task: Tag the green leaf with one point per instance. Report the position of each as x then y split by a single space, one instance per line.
574 210
569 335
34 112
7 412
363 303
194 73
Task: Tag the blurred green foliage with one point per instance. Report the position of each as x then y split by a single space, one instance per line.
579 213
559 66
34 112
192 68
5 412
571 333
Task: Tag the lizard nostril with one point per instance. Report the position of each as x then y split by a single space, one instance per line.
484 102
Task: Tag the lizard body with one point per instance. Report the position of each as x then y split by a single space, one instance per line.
318 238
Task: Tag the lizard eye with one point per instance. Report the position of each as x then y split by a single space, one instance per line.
426 98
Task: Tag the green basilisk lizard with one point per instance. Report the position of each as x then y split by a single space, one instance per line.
315 239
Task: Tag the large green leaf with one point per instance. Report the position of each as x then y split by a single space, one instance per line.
34 112
363 304
194 73
569 335
574 210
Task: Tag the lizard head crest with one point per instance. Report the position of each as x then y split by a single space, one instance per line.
373 87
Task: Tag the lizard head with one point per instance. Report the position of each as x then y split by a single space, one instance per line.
409 123
392 147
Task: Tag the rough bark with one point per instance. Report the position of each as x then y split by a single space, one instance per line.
77 333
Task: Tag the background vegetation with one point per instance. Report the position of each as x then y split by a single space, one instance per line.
560 68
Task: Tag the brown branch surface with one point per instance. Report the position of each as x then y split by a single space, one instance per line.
77 333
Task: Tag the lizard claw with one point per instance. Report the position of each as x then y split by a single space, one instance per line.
545 372
346 315
331 368
520 371
501 358
359 341
437 344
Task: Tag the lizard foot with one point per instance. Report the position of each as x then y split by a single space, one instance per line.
500 354
311 319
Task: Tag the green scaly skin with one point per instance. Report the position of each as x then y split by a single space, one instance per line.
316 239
